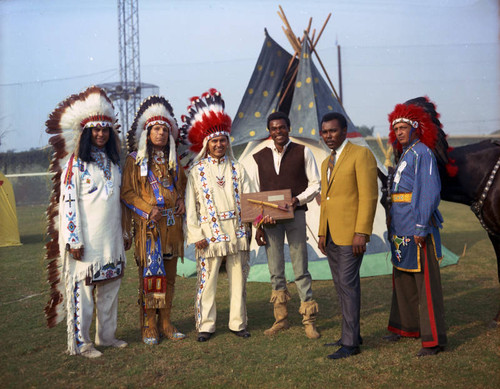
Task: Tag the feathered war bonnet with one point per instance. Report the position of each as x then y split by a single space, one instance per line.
420 121
91 108
153 110
205 120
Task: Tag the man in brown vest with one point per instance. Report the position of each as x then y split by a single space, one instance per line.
288 165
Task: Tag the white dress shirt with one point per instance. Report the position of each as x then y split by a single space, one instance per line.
313 177
337 155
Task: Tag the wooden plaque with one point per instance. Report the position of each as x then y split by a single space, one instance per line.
249 211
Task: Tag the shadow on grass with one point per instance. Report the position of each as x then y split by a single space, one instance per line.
469 311
456 240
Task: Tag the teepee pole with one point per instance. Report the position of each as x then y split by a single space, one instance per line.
324 71
309 25
289 85
291 38
313 34
294 42
321 31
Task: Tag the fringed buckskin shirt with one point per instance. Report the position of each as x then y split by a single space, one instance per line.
137 193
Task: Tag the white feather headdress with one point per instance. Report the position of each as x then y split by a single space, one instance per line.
153 110
91 108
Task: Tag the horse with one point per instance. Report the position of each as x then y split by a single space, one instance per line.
469 175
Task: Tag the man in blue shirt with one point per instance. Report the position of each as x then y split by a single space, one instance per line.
417 303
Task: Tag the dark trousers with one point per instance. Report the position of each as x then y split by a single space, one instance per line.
417 301
344 266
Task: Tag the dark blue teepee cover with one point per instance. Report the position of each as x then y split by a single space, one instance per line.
312 98
262 94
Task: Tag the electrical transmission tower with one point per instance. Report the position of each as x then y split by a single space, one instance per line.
130 70
129 91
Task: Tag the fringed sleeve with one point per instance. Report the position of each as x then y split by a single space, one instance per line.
137 192
131 187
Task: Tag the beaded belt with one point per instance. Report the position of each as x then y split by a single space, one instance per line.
401 197
169 214
167 211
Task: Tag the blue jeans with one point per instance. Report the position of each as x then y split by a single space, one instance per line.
296 235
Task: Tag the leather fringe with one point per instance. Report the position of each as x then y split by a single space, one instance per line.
308 308
280 296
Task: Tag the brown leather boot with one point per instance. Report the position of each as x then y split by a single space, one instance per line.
279 298
308 310
149 330
166 327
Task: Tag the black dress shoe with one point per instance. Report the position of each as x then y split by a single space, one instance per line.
392 337
338 343
344 352
204 336
242 333
426 351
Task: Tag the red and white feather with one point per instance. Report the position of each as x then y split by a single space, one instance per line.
425 128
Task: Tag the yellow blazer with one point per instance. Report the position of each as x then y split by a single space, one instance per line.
349 200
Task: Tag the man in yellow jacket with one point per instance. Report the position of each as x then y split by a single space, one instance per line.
349 195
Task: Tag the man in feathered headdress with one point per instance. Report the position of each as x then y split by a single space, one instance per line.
153 191
87 240
417 303
215 183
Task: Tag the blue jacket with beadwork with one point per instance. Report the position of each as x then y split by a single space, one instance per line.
416 173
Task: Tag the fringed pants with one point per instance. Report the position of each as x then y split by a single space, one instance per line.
106 301
164 301
205 309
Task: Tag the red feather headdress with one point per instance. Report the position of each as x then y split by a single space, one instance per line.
206 119
418 118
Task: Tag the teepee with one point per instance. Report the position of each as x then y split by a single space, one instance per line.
294 85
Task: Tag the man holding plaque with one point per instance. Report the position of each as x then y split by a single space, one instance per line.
349 194
287 165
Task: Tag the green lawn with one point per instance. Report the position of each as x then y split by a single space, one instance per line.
33 356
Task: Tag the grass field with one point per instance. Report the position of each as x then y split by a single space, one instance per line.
34 356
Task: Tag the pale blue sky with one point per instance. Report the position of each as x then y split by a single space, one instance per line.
392 50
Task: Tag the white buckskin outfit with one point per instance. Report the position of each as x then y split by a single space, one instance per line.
214 213
89 218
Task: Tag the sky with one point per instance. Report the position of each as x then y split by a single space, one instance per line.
392 50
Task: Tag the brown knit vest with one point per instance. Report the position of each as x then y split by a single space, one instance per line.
292 170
